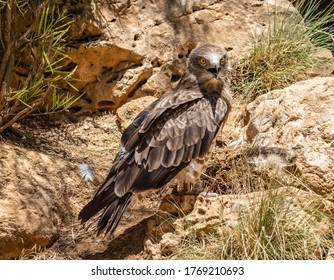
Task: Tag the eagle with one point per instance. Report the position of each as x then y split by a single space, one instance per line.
170 138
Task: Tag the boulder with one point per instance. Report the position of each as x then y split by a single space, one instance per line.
35 199
130 110
41 192
127 49
217 215
171 207
327 68
299 120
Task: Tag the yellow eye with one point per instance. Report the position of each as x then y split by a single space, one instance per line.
222 60
202 60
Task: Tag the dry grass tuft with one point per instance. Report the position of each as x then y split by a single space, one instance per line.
282 222
274 230
282 54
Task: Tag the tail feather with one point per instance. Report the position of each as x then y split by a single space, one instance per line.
122 205
99 202
113 205
105 216
102 199
114 209
113 214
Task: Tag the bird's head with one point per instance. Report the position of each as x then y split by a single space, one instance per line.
209 64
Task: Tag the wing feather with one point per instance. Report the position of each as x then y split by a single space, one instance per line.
188 153
126 178
179 157
172 140
168 158
161 141
170 102
187 133
197 148
175 143
154 158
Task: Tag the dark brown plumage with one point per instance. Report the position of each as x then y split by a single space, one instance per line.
171 135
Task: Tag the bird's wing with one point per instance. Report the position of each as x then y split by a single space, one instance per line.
142 123
168 142
133 134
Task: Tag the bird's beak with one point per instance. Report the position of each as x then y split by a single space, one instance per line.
217 67
215 70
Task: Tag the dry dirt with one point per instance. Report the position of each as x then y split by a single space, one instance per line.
72 139
94 140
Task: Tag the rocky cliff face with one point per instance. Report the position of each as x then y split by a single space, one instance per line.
128 53
298 118
128 49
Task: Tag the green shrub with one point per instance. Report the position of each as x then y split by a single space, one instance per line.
283 52
32 75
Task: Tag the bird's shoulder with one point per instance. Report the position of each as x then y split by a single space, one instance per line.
181 134
184 94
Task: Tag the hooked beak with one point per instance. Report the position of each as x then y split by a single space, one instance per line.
215 70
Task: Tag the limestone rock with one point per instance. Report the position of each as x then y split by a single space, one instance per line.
41 192
140 48
130 110
172 206
221 213
298 119
108 74
206 214
325 70
34 199
330 255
